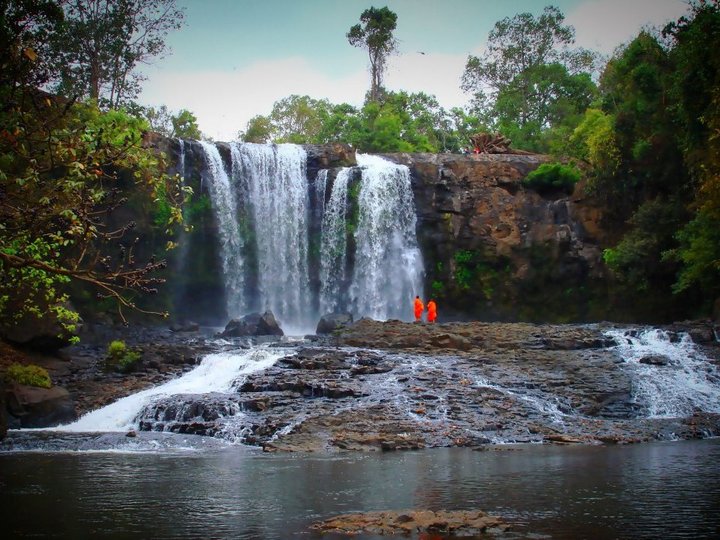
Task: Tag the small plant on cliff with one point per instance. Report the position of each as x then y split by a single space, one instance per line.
30 375
120 358
553 177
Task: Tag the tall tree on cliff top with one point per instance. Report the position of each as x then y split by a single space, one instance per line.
530 76
375 34
97 52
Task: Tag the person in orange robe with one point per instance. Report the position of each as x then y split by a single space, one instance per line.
432 311
418 309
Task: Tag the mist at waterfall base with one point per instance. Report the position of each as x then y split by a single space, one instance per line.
344 241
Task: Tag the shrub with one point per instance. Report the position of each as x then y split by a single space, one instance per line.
120 358
553 177
30 375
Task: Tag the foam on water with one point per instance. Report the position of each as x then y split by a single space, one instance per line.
217 373
688 382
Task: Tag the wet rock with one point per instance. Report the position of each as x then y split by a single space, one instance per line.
455 523
254 324
40 407
655 360
187 326
314 359
333 321
451 341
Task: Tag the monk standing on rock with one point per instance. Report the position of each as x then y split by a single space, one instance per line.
432 311
418 309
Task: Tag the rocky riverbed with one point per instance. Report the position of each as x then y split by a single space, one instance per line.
394 386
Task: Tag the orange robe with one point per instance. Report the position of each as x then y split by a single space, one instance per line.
432 311
418 309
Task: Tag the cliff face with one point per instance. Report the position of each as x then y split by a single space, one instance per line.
493 250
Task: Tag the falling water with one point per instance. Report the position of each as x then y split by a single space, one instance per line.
333 249
217 373
388 264
320 188
231 242
273 179
685 381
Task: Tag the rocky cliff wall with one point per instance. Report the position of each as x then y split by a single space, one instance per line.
496 250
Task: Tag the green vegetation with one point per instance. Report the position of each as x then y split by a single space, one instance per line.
120 357
65 167
30 375
553 177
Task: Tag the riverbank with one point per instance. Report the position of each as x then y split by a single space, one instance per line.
394 385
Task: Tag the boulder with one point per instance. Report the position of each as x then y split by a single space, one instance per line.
333 321
44 334
655 360
40 407
186 326
254 324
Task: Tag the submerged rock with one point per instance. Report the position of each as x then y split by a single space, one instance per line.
456 523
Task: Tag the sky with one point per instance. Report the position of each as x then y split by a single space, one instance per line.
234 58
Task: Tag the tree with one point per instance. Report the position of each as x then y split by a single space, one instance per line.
298 119
530 79
696 89
259 129
375 34
185 125
97 50
182 125
63 168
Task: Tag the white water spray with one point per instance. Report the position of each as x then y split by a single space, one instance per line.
217 373
333 248
388 264
273 179
224 203
688 382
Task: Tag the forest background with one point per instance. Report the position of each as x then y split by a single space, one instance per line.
641 129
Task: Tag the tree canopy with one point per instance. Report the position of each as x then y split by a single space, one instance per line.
530 79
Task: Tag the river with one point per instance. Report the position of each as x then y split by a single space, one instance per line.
206 488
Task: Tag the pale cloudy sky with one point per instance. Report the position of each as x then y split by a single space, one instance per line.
234 58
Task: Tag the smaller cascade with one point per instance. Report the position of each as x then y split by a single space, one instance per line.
672 378
224 202
388 270
218 373
333 247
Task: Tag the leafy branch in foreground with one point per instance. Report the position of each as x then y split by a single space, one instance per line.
64 171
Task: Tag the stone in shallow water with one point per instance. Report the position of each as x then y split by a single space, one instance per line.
457 523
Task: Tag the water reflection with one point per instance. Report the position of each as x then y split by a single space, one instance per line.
669 490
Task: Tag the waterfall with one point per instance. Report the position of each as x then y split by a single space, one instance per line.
333 245
388 268
365 258
671 376
274 182
224 203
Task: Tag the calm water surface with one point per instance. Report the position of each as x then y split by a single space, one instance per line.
664 490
